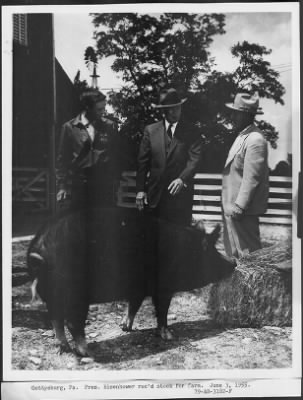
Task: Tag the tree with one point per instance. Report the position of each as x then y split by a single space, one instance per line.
254 73
150 53
173 49
155 51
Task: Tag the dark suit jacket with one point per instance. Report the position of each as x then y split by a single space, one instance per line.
78 153
179 160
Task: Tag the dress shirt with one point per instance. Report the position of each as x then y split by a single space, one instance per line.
89 127
173 126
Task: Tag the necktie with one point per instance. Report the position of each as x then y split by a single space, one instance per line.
169 131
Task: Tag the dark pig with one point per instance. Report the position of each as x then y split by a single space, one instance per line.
178 259
106 255
82 258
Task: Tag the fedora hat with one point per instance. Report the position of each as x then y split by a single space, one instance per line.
246 103
169 98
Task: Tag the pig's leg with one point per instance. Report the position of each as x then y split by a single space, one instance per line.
162 302
58 326
54 289
77 314
77 331
131 311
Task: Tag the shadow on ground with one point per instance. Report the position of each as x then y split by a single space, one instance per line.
126 346
143 343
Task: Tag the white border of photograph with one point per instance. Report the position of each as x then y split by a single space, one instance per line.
64 375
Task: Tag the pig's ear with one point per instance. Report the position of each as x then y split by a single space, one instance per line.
36 256
215 234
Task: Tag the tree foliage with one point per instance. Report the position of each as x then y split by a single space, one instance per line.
168 48
153 51
254 73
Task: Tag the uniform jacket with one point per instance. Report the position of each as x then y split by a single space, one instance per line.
166 162
246 174
77 152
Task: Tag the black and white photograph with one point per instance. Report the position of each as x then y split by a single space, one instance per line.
151 200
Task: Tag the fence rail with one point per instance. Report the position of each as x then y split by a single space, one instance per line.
32 185
207 197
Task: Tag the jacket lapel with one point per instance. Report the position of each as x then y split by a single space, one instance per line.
237 145
159 142
173 142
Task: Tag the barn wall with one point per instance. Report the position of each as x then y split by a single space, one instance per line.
33 93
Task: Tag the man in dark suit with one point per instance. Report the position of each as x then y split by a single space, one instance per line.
170 152
88 155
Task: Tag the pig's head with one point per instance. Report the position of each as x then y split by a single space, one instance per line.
215 265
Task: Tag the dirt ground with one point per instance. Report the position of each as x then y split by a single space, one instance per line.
198 343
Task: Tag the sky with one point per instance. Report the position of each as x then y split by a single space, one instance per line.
74 32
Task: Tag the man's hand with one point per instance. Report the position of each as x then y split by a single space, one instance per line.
175 186
141 200
61 195
236 212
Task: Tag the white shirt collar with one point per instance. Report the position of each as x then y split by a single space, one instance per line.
89 127
173 126
84 120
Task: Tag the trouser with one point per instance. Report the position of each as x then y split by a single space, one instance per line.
241 236
92 193
175 210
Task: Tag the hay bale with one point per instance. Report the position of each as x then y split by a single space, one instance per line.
258 293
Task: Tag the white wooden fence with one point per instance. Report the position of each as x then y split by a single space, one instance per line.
207 197
32 185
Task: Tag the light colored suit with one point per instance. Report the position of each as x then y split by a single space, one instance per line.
245 183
